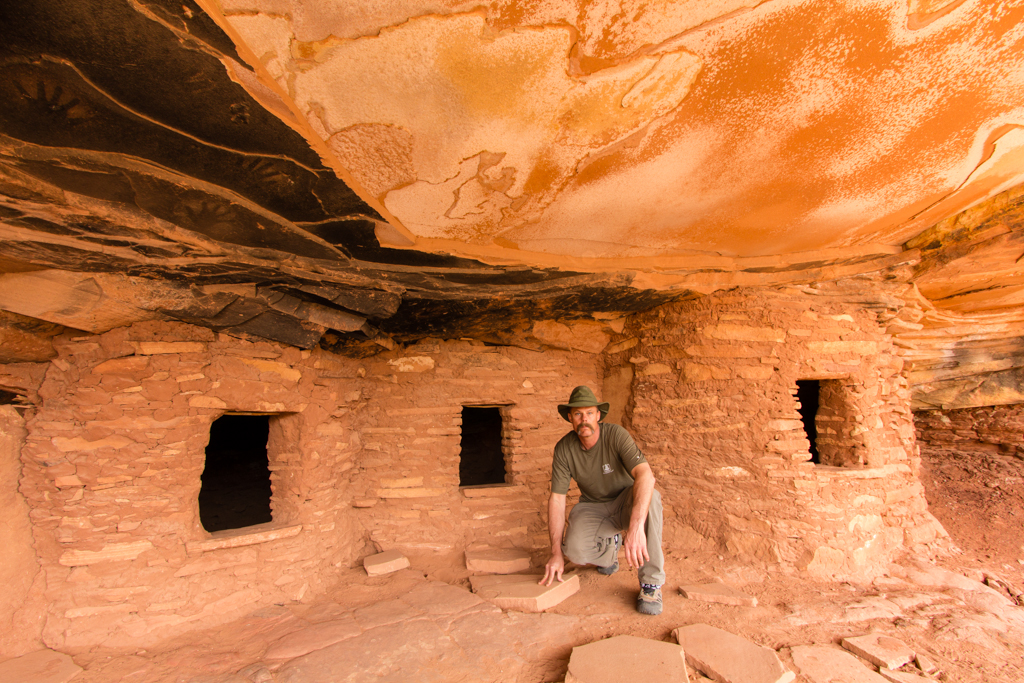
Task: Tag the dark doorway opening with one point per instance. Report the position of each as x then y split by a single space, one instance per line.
482 461
808 392
235 492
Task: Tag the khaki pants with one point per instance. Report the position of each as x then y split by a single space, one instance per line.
591 527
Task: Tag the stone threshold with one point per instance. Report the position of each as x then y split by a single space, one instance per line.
860 472
236 538
491 490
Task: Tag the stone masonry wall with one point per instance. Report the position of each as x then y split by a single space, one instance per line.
714 406
21 617
364 456
990 429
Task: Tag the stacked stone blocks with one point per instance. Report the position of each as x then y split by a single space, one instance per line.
360 451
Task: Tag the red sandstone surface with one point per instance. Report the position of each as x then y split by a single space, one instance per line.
346 223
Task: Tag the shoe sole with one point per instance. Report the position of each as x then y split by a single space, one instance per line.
647 608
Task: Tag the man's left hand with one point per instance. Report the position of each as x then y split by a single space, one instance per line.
635 544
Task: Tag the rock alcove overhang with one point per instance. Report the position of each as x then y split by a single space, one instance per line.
140 178
131 156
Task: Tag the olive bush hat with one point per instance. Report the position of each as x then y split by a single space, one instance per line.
582 397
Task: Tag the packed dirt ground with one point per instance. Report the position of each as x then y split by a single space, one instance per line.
423 624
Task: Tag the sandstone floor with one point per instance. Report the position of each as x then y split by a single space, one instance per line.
423 624
410 627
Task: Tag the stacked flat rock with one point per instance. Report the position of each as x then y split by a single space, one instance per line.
627 658
41 666
718 592
522 592
880 649
728 658
385 562
498 560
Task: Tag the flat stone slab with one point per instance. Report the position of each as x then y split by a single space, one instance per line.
626 658
498 560
522 592
385 562
41 666
728 658
825 664
901 676
880 649
718 592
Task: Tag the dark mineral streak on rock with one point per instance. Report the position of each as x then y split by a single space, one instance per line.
132 152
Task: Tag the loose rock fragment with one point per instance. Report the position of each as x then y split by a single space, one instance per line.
41 666
626 658
728 658
718 592
385 562
879 649
925 664
498 560
900 676
522 592
826 664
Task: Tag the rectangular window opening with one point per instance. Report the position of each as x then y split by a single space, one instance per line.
482 460
808 392
830 419
235 491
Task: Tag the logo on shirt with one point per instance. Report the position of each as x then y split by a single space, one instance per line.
606 468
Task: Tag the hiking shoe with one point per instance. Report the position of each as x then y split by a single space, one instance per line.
648 601
614 566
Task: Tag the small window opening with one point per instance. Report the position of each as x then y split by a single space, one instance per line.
482 460
808 392
236 492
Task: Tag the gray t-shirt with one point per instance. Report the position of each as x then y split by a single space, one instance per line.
603 472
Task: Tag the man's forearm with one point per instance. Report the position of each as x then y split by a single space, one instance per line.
556 522
643 489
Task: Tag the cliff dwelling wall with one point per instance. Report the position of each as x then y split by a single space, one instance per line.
987 430
363 455
714 404
20 621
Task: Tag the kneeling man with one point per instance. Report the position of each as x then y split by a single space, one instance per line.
617 496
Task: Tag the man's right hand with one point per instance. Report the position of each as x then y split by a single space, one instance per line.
553 570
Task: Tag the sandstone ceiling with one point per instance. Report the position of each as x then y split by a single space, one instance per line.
356 174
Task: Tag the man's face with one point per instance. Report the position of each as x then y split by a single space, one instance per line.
584 421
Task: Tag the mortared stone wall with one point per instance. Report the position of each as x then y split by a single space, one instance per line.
990 429
364 455
714 405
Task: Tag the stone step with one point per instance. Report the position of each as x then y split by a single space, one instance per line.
498 560
522 592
